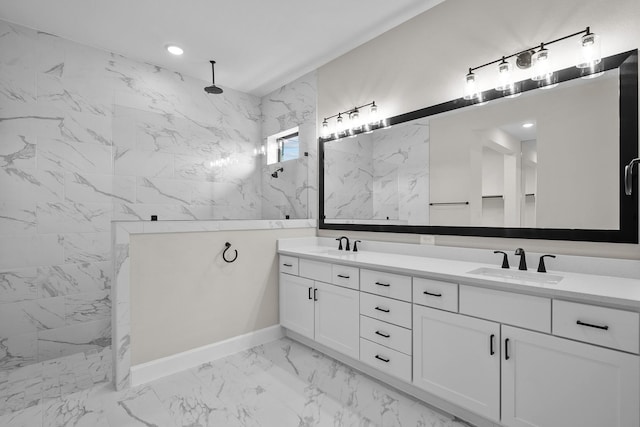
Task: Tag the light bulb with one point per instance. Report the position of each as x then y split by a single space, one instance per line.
505 79
470 86
325 128
339 126
541 65
590 52
355 124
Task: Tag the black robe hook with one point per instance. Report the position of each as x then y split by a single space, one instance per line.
227 245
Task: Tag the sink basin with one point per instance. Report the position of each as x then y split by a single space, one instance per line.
332 252
526 276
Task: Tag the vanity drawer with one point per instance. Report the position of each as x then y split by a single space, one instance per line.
386 334
386 360
435 293
387 309
603 326
342 275
320 271
506 307
386 284
289 264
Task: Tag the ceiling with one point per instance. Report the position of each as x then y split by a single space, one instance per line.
258 45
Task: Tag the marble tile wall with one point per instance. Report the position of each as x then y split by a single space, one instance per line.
401 173
348 178
295 191
87 137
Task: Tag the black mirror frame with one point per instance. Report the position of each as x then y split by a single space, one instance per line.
627 63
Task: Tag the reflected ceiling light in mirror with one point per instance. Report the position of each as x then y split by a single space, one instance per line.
527 125
352 122
538 58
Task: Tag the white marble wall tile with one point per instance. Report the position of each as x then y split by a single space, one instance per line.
17 151
17 217
69 279
70 217
68 156
87 247
74 339
53 123
30 250
157 190
18 285
196 168
143 163
31 184
14 321
18 45
82 187
75 94
46 313
87 307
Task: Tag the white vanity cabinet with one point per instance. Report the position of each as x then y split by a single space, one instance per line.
458 358
526 378
555 382
324 312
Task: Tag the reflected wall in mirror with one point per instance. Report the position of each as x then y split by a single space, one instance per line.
381 176
546 164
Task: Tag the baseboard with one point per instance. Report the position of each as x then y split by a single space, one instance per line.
149 371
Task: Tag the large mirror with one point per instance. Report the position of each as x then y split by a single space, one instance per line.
546 164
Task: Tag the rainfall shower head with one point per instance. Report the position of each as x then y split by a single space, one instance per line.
213 89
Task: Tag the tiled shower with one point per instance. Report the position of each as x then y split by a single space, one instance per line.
87 137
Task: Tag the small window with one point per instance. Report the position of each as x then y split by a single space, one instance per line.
288 147
283 146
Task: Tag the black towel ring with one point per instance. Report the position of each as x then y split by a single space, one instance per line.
227 245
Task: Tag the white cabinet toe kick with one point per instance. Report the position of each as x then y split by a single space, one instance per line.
493 357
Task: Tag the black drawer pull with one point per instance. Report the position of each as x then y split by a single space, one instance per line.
315 294
384 310
342 276
433 295
310 293
382 358
491 339
288 265
506 349
605 327
382 334
386 285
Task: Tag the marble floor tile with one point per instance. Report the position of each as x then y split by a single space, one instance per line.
279 384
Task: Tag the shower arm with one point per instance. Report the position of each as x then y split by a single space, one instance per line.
628 176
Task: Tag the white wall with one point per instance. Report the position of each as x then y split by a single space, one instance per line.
184 296
423 62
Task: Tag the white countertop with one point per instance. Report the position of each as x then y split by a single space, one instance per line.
606 290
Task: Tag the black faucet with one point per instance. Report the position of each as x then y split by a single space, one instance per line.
523 259
347 247
541 267
505 260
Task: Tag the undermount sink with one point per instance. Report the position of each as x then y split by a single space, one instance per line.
333 252
517 275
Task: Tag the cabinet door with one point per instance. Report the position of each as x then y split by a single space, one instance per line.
337 318
296 304
554 382
457 358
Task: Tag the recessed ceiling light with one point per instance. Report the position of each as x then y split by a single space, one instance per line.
174 50
527 125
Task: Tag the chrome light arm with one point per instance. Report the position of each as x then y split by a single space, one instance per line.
628 176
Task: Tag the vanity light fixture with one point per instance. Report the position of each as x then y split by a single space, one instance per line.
539 59
352 122
174 50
